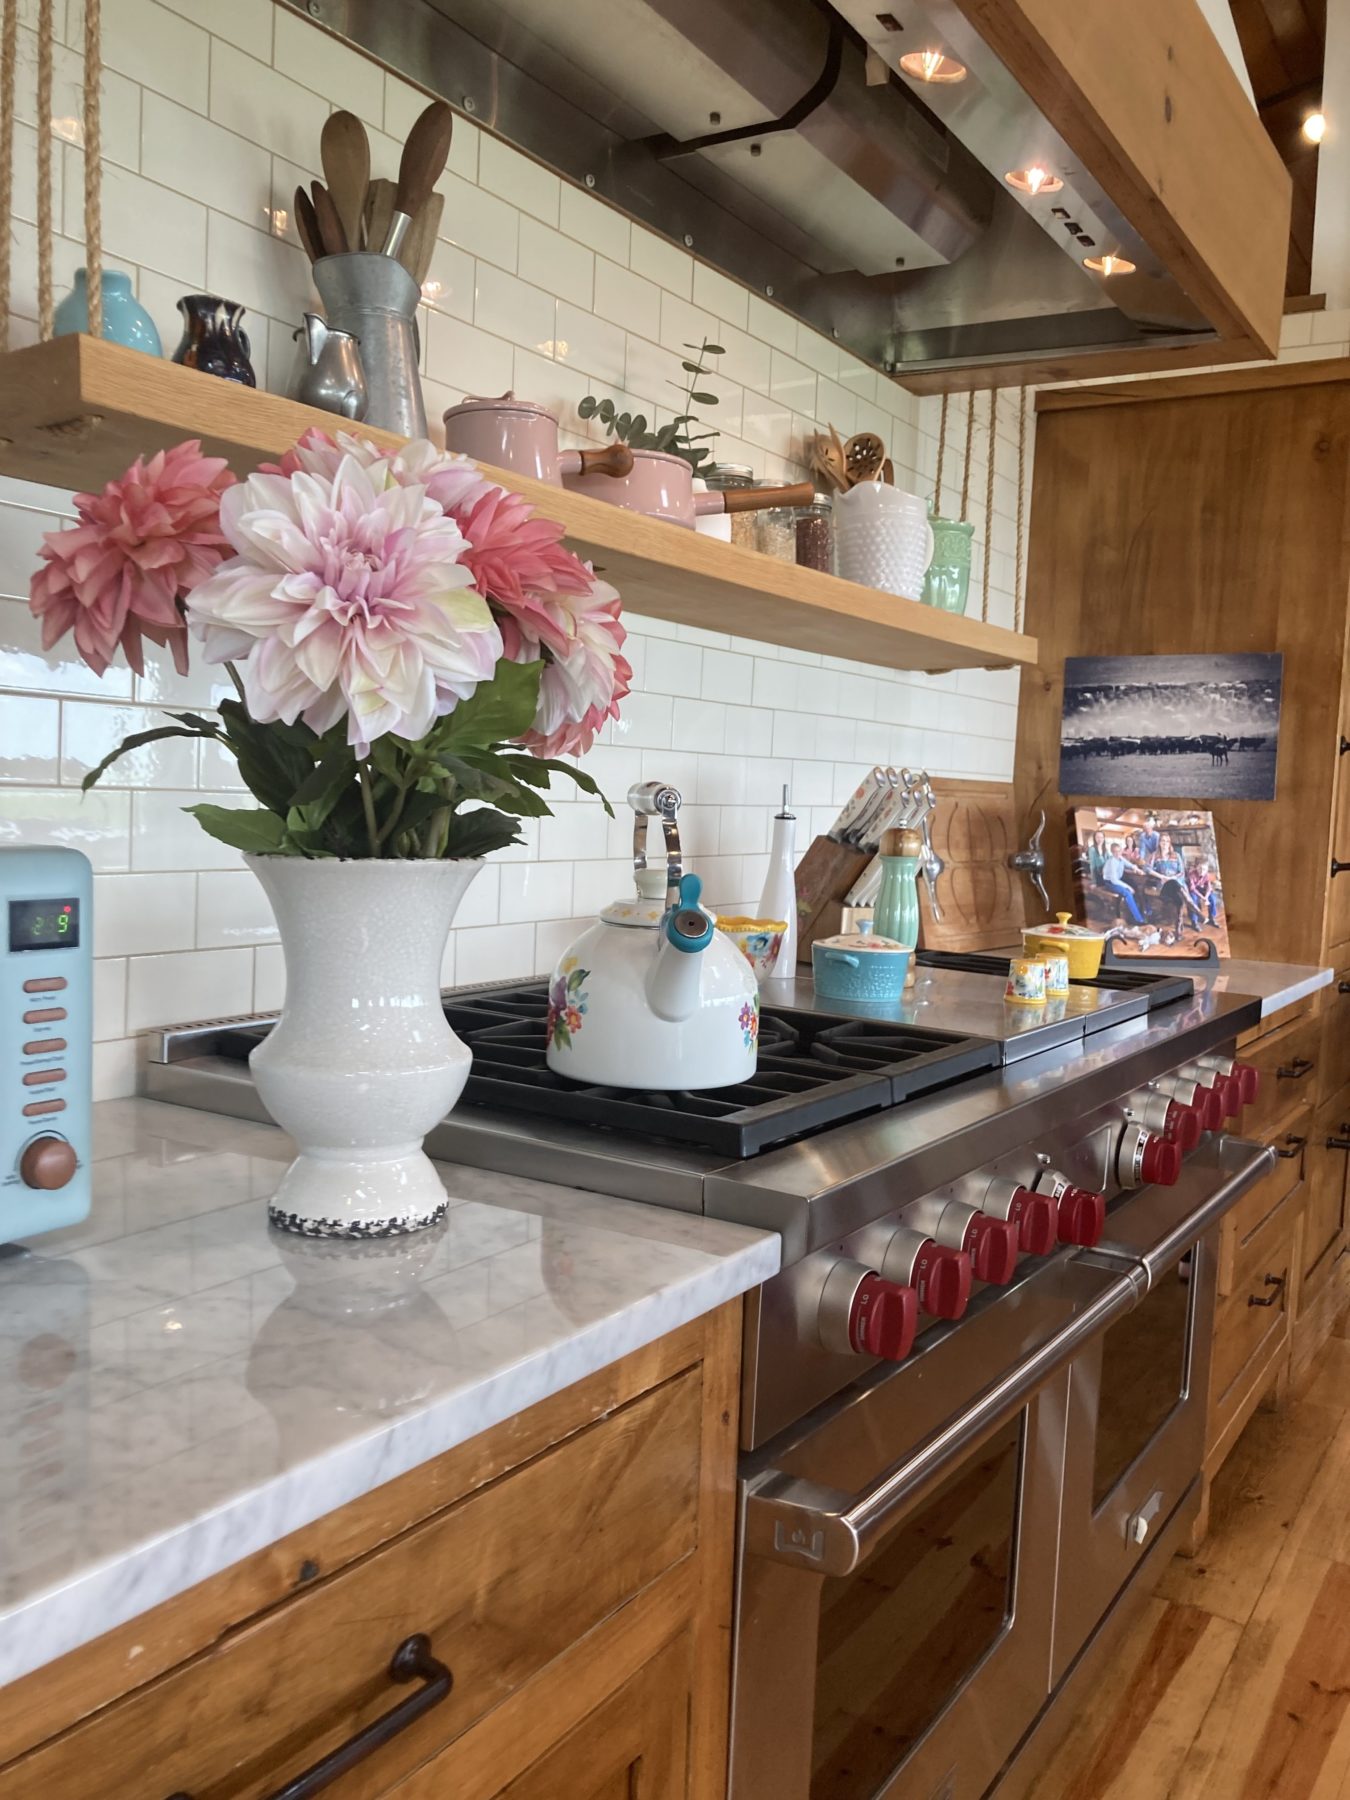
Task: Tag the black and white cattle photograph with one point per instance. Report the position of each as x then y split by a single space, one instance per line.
1184 727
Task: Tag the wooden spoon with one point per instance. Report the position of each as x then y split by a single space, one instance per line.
345 152
864 454
334 238
307 225
380 196
420 168
419 246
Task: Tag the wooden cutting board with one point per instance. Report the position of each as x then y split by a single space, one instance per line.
983 901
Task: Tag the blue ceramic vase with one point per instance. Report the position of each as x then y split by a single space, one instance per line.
125 320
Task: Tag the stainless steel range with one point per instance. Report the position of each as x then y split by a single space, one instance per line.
973 1398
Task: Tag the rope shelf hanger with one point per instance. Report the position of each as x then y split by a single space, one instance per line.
92 121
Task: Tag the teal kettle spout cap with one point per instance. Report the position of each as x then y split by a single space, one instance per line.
688 927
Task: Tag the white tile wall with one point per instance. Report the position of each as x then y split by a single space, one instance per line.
211 118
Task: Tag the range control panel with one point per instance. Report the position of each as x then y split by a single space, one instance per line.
46 1039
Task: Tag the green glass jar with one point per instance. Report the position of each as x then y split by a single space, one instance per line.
896 913
947 583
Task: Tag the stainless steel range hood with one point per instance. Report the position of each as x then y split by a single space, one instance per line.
783 142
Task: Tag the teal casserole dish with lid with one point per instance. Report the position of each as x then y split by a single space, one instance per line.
858 966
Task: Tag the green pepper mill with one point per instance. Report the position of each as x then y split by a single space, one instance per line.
896 913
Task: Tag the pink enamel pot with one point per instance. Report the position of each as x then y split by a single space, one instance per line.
520 436
662 487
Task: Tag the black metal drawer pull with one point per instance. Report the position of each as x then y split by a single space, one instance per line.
1296 1070
1342 1142
412 1661
1272 1281
1343 987
1345 744
1293 1147
1339 868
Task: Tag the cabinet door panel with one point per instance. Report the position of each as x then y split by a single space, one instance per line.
1324 1215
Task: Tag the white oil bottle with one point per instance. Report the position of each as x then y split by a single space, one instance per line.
779 899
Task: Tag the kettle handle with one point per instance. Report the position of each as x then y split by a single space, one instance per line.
657 800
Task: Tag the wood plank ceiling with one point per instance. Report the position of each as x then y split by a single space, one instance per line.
1284 45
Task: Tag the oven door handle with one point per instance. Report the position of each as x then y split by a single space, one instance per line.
820 1530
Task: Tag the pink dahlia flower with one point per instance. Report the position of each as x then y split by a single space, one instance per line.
583 687
117 577
349 597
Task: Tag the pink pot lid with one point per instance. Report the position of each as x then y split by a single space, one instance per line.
507 403
662 456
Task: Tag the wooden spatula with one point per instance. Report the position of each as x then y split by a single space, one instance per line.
307 225
330 225
345 151
380 197
419 169
419 246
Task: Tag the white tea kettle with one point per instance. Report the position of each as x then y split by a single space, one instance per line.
652 995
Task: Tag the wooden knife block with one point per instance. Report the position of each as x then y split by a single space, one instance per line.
824 876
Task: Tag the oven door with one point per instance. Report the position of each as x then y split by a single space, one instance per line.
895 1614
1135 1426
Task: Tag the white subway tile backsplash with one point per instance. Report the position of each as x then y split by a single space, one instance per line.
30 739
180 987
210 121
556 263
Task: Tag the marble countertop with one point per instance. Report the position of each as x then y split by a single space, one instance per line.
180 1386
1274 984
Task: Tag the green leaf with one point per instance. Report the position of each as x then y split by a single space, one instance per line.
273 758
586 408
480 832
324 784
579 776
700 399
693 368
606 411
134 742
496 711
259 832
713 350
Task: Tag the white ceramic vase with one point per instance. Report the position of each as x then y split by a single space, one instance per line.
882 538
362 1063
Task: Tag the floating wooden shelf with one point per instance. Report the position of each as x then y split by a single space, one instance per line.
75 412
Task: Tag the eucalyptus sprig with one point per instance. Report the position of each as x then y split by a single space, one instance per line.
674 438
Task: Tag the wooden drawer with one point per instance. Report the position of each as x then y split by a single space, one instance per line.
1278 1191
1288 1059
1251 1325
502 1583
1336 1031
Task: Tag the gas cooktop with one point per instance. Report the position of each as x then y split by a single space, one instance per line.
814 1069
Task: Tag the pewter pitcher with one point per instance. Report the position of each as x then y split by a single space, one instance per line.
375 298
328 369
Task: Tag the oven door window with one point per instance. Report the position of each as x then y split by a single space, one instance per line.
1144 1379
901 1635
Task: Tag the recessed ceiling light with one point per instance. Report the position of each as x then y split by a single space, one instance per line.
932 65
1034 180
1315 127
1109 265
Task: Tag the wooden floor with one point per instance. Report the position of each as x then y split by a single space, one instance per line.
1235 1684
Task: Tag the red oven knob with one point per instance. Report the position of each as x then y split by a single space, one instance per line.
1249 1078
1210 1104
1143 1157
1205 1101
1182 1125
942 1280
1033 1214
1171 1115
1081 1216
883 1319
861 1314
991 1245
1232 1096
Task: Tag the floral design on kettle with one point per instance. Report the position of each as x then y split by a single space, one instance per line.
566 1004
750 1021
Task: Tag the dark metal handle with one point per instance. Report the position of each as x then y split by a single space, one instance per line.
1342 1142
1272 1281
1296 1070
1339 868
1343 987
1294 1146
1345 744
412 1661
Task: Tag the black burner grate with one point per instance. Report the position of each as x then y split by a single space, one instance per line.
813 1070
1162 990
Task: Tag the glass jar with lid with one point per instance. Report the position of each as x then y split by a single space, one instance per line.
815 534
735 475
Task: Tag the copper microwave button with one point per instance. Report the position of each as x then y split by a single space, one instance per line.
39 1077
44 984
44 1015
35 1107
44 1047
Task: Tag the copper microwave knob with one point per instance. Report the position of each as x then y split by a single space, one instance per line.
48 1162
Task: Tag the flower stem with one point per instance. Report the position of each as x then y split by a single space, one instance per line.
234 677
368 807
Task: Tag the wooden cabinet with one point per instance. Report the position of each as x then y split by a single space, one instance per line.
571 1570
1324 1215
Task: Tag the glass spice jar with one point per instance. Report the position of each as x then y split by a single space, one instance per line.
815 534
735 475
776 533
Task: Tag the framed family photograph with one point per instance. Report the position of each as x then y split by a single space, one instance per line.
1181 727
1150 878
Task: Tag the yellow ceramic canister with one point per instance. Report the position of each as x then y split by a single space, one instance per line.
1056 975
1026 981
1082 947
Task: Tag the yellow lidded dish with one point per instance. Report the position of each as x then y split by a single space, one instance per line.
1082 947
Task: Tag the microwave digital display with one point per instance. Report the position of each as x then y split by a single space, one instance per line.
44 924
